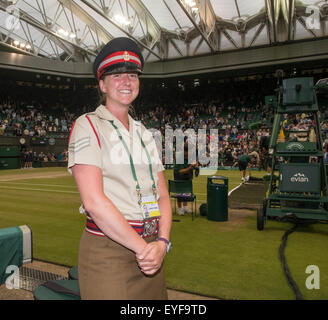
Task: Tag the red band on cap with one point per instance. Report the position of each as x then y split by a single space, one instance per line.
117 57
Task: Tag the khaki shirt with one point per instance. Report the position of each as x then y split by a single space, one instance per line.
108 153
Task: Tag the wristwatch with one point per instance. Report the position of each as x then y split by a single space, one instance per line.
167 242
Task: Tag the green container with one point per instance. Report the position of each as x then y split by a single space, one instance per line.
217 198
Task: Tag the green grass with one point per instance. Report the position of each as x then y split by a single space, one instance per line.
28 171
200 183
219 259
243 263
50 211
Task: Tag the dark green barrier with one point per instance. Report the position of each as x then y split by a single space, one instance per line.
9 151
15 249
9 163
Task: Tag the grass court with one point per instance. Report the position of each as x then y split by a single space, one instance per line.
228 260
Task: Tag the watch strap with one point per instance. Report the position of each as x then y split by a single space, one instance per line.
167 243
163 239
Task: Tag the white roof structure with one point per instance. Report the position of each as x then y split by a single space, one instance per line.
75 30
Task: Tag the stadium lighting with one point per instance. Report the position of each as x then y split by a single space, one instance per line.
65 33
22 45
192 5
188 2
122 20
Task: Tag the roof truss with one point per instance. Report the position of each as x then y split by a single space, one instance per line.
199 28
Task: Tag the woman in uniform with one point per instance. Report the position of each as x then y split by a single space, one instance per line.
119 174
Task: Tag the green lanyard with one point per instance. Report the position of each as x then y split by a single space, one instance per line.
132 165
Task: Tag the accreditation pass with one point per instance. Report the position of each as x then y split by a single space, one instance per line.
149 207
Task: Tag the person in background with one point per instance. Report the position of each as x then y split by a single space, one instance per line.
245 161
65 155
41 156
184 171
30 159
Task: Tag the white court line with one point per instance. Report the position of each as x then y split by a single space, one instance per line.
38 184
234 189
44 190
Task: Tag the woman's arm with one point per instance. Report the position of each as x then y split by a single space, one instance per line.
102 210
164 203
151 258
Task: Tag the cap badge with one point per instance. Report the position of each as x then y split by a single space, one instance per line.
126 56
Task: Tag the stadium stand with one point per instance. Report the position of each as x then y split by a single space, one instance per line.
232 107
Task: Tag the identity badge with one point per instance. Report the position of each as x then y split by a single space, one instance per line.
149 207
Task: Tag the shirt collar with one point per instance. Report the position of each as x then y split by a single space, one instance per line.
103 113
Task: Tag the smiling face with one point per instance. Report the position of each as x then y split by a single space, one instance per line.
121 89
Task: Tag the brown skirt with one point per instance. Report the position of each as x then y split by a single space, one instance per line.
109 271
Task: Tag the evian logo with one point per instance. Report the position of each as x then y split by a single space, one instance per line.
299 177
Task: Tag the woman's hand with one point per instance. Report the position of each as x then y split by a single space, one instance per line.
150 259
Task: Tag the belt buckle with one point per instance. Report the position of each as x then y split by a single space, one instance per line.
149 228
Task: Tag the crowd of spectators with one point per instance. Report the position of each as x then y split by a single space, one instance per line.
19 119
230 110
